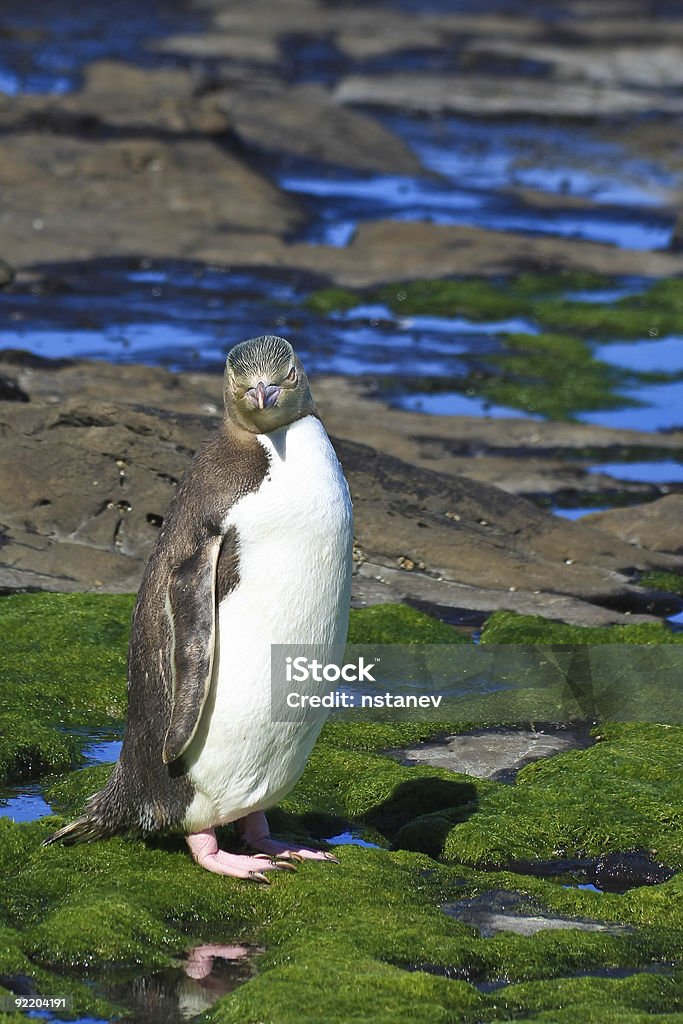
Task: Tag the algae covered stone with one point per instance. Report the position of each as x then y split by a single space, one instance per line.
368 939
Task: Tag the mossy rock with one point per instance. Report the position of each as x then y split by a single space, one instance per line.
364 940
511 628
552 373
671 582
399 624
624 793
63 668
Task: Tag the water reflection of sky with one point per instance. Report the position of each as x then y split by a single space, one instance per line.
455 403
340 202
560 158
661 409
654 354
44 47
477 173
186 317
662 472
23 803
102 752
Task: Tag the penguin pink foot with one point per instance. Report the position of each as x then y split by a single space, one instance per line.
205 852
255 833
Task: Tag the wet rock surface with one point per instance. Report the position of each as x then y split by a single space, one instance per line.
613 872
495 753
508 911
86 481
656 525
106 137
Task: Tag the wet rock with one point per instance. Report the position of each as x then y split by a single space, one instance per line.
100 475
377 584
481 95
305 122
10 390
389 250
7 274
116 97
498 541
525 457
132 195
653 66
495 753
656 526
619 872
503 910
612 872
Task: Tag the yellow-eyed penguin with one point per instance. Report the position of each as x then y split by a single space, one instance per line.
254 550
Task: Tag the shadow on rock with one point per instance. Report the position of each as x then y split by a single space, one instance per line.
420 813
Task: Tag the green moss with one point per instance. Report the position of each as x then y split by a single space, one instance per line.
341 942
64 666
511 628
598 1013
376 790
657 311
399 624
29 749
475 298
534 284
70 793
644 992
329 300
554 375
669 581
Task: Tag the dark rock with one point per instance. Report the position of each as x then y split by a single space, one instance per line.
618 872
10 391
612 872
7 274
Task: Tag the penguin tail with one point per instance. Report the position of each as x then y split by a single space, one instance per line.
82 830
101 817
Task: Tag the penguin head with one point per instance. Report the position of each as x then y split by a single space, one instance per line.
265 385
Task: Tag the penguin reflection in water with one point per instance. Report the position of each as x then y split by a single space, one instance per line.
255 549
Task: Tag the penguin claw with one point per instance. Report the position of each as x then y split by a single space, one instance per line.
285 864
276 861
258 876
255 834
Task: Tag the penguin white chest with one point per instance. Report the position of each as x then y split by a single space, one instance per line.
294 539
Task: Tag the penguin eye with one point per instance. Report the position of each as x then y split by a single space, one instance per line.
291 376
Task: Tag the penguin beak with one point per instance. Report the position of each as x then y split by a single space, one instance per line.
263 396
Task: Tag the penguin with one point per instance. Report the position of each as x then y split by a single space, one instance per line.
255 549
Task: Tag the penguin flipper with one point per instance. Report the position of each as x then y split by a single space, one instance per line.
191 610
